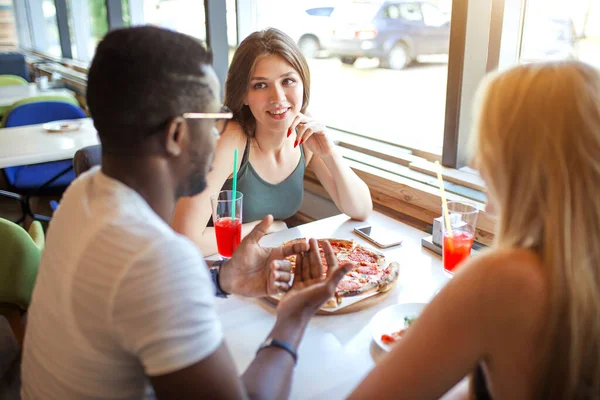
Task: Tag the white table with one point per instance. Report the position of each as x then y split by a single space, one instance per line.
337 350
13 93
31 144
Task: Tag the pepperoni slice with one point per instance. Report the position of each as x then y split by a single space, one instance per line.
348 285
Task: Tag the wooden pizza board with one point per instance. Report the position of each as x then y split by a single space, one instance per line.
355 307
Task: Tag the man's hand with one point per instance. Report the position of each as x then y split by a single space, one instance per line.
256 271
311 289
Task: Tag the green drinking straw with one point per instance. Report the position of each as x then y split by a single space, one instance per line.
234 184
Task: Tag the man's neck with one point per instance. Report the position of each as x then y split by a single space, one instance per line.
149 178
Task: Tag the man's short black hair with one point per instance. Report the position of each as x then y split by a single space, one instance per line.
141 78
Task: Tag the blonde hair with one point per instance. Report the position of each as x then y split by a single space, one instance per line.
257 45
536 139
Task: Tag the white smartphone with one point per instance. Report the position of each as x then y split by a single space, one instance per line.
379 236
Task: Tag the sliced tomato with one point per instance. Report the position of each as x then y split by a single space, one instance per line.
387 339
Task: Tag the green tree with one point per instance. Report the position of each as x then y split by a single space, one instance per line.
98 18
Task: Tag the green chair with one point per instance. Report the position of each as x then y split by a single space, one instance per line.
20 253
65 98
11 80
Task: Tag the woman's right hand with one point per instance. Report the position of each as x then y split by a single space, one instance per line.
310 289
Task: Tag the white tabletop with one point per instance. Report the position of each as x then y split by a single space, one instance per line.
31 144
13 93
337 350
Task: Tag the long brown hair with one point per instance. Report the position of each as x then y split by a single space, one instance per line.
259 44
537 138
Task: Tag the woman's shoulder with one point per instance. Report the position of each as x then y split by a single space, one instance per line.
511 278
511 260
511 265
232 137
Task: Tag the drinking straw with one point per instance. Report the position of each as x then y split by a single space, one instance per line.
234 184
444 203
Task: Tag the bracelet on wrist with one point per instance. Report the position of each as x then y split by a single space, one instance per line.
280 344
215 273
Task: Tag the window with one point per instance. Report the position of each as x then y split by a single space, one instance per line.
43 14
320 11
88 23
392 12
433 16
410 12
561 29
372 74
185 16
231 11
126 11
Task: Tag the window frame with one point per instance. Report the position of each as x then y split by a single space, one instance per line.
62 21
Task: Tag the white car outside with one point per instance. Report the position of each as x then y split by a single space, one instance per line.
307 22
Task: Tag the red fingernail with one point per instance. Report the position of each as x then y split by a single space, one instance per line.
302 141
289 132
295 143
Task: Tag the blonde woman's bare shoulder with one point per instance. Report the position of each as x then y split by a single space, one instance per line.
511 268
513 282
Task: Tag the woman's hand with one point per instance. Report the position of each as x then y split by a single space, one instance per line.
312 133
311 289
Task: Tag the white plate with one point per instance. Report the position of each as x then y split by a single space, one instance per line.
391 319
62 126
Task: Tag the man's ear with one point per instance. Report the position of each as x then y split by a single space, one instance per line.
175 136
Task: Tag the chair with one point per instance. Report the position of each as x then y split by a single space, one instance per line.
87 158
10 80
20 253
14 64
61 98
50 178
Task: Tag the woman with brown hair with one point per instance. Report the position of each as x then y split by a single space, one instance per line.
525 315
268 90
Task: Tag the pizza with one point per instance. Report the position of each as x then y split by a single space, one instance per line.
371 272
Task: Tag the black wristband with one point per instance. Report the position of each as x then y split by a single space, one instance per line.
279 344
214 271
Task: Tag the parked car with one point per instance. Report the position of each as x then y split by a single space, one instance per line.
309 27
395 32
314 40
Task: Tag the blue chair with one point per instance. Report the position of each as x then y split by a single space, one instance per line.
46 179
12 63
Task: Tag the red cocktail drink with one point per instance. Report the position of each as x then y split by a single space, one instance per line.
456 249
229 235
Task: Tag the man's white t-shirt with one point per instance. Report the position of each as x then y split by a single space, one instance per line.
119 296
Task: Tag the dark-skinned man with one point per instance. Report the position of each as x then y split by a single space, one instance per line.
122 303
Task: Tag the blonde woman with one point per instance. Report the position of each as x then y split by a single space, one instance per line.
525 316
268 90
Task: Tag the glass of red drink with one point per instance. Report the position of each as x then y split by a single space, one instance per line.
228 227
457 245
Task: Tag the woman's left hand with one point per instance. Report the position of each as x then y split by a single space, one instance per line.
312 133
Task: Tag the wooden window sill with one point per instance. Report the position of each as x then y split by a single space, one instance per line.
406 199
